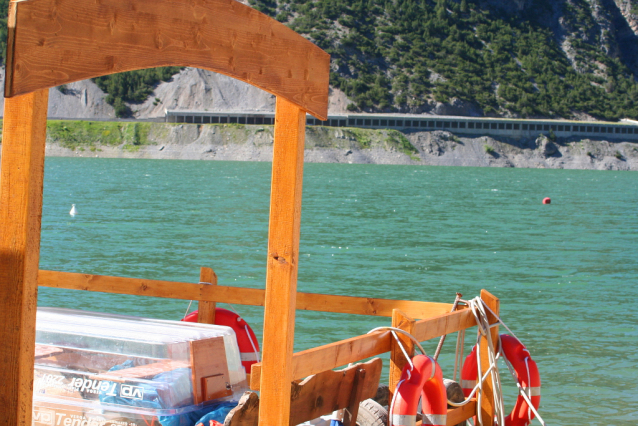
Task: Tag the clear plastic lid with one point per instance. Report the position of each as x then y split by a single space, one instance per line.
132 363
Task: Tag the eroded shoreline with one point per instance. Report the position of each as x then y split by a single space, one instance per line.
233 142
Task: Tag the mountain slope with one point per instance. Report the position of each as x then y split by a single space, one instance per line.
526 57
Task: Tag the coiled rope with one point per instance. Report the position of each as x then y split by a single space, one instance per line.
478 307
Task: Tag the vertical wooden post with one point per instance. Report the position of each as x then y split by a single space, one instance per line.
487 410
22 173
206 310
281 268
397 358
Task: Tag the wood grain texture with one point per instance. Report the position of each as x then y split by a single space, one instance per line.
282 263
205 309
22 173
55 42
447 323
318 395
397 359
356 396
236 295
456 416
333 355
327 357
208 359
487 409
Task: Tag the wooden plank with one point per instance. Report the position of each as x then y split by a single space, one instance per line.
444 324
59 42
236 295
327 357
152 288
282 263
487 408
330 390
460 414
356 396
333 355
397 359
211 379
206 310
456 416
22 173
318 395
369 306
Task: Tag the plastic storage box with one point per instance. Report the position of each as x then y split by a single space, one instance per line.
94 369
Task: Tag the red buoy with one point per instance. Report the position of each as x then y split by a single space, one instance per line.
547 200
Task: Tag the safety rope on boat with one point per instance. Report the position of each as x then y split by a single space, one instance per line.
478 307
394 330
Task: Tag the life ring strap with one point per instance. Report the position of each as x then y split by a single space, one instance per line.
533 391
468 384
403 420
249 356
434 419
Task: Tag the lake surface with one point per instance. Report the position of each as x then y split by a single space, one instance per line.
566 273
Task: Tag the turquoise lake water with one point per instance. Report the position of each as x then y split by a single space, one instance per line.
566 273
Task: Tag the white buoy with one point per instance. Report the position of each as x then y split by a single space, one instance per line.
73 211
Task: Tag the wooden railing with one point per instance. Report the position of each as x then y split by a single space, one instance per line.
435 320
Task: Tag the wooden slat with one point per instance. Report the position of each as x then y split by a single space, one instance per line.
356 396
327 357
369 306
333 355
236 295
487 408
61 41
460 414
444 324
152 288
397 359
282 263
206 310
318 395
22 173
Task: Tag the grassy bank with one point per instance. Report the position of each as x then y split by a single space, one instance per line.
131 136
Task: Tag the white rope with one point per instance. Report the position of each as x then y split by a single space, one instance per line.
187 309
252 343
458 357
398 330
522 392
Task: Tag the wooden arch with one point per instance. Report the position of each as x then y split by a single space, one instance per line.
53 42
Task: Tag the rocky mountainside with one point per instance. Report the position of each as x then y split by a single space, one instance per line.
530 58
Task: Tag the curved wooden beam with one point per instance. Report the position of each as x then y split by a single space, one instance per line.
54 42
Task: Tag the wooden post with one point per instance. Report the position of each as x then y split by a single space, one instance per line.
397 358
487 410
282 263
22 173
206 310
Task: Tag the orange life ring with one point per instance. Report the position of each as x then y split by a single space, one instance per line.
526 373
424 381
246 339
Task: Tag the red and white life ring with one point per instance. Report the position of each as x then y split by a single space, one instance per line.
424 381
246 339
526 373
